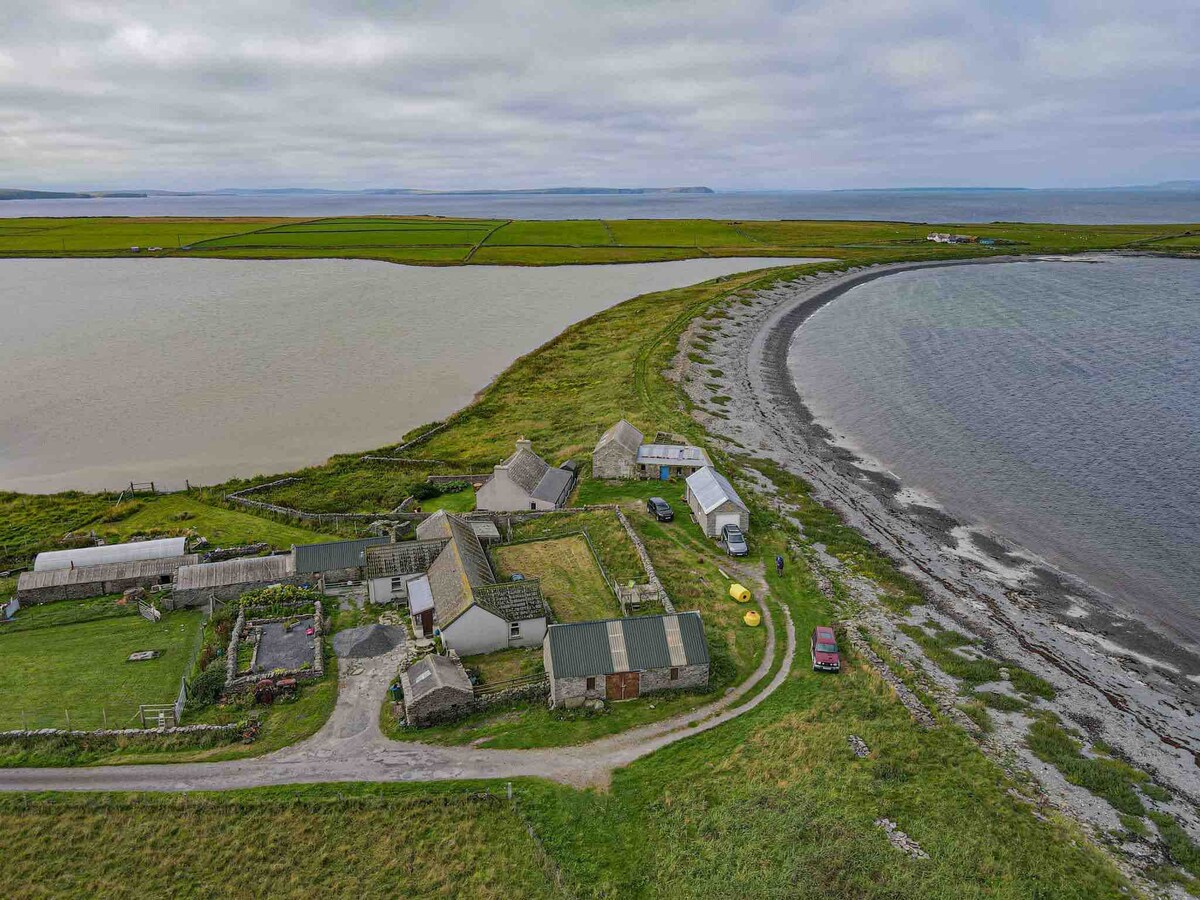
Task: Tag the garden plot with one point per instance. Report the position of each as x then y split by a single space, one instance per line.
281 647
571 580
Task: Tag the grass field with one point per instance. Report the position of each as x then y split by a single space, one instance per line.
459 501
571 580
81 668
442 241
338 842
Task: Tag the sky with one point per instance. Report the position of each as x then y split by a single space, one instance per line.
105 94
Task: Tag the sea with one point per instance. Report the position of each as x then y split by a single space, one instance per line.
1126 205
1053 403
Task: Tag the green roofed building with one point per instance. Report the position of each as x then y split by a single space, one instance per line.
620 659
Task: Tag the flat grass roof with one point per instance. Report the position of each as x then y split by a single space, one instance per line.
571 581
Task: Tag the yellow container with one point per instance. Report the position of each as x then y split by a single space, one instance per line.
739 593
752 618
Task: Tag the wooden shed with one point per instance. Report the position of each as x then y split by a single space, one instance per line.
714 503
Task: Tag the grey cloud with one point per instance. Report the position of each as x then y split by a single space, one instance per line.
749 95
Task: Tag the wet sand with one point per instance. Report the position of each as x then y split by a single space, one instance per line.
1118 679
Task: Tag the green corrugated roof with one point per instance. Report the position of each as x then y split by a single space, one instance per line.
333 554
579 649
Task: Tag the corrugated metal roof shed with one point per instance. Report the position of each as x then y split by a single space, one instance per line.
111 553
711 489
138 568
580 649
333 555
420 596
672 455
247 570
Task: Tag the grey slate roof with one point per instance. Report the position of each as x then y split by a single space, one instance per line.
436 526
513 601
554 486
711 489
403 557
526 469
333 554
580 649
434 672
623 435
245 570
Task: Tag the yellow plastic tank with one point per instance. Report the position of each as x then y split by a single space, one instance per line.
752 618
739 593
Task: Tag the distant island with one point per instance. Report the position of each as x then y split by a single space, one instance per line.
23 194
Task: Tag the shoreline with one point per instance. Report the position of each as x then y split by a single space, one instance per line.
1146 711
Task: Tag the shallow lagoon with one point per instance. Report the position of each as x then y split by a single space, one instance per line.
165 369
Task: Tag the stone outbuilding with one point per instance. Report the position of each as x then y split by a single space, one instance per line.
714 503
229 579
525 481
96 580
622 452
615 454
436 689
334 562
620 659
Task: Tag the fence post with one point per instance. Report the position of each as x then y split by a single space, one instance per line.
104 715
68 712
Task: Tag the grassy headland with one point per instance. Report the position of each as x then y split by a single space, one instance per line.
773 803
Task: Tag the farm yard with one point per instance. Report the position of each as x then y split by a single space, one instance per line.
54 667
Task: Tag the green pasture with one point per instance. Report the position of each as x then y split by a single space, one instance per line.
81 669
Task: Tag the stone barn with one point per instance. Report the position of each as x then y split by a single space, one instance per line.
615 454
228 580
714 503
621 659
95 581
436 689
334 562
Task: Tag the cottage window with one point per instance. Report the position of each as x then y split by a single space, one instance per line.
591 682
514 629
674 674
532 505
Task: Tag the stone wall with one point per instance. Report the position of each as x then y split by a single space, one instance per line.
236 684
690 678
217 730
226 592
644 556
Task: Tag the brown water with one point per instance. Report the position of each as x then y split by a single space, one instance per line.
120 370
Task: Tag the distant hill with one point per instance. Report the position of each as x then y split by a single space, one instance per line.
421 191
22 194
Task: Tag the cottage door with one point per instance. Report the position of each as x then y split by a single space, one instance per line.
623 686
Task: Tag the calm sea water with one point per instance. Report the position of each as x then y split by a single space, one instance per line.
166 369
1078 206
1056 402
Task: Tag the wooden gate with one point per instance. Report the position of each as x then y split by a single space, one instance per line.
623 685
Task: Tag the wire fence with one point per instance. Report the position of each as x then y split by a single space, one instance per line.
77 718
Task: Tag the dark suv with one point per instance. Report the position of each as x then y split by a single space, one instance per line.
660 509
734 540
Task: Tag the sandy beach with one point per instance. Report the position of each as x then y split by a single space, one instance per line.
1119 679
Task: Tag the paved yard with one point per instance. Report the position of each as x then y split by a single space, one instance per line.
282 648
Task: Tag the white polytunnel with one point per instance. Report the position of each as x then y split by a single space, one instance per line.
110 553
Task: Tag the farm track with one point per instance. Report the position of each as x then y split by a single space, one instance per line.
351 747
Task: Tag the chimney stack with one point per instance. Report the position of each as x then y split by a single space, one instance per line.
524 444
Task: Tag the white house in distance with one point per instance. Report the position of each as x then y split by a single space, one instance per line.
525 481
714 503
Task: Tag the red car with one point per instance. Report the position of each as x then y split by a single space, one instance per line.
825 650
